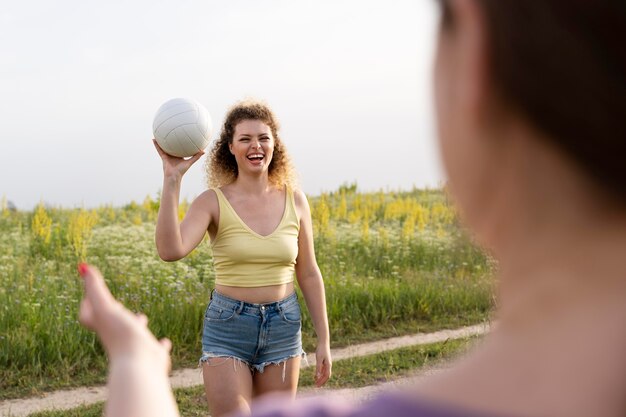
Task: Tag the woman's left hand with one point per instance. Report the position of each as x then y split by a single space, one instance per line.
323 364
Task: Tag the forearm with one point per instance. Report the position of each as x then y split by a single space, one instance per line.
168 236
139 388
315 297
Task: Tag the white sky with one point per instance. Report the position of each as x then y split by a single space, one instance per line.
80 81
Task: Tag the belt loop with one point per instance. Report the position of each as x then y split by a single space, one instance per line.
241 305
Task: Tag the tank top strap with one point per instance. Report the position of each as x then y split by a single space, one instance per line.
221 199
291 205
219 194
227 216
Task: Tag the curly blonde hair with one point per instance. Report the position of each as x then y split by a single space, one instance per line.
221 166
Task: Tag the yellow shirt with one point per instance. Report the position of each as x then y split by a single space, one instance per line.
243 258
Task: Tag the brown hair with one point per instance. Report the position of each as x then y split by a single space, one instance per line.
221 166
561 64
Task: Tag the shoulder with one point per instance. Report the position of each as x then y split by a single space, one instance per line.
208 195
301 204
299 198
208 199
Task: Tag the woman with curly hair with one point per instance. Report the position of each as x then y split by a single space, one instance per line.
261 234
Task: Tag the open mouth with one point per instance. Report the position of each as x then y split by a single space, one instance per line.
256 157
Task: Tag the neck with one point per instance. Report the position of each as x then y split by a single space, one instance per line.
563 269
253 184
556 238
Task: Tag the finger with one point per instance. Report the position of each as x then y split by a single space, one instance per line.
142 319
319 370
194 158
167 344
323 377
323 367
320 382
158 147
96 290
85 314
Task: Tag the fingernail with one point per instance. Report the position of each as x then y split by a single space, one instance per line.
82 268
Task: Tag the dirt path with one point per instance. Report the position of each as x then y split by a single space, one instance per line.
356 395
181 378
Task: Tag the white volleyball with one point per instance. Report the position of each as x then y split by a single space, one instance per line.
182 127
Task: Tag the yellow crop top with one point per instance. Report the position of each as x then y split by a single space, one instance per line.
243 258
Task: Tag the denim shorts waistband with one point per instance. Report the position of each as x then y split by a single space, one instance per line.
227 302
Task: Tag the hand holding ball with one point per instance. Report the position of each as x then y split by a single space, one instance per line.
182 127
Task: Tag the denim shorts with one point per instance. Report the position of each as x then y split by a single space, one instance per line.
256 334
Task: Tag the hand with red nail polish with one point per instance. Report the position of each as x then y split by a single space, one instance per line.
139 363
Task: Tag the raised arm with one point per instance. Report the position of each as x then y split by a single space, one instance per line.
175 240
312 286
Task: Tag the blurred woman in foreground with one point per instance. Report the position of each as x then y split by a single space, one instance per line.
530 101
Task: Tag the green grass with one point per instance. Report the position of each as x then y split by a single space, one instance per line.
387 366
384 276
347 373
95 410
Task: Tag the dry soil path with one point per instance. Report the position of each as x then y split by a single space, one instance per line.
66 399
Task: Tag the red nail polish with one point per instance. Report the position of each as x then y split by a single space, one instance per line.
82 268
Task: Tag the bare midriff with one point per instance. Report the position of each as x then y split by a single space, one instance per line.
257 295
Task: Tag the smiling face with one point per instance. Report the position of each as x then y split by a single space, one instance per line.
252 146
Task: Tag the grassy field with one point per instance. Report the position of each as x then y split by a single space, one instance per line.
393 263
347 373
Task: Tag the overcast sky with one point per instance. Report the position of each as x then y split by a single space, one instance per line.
80 81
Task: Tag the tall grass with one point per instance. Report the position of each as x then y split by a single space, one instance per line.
392 262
